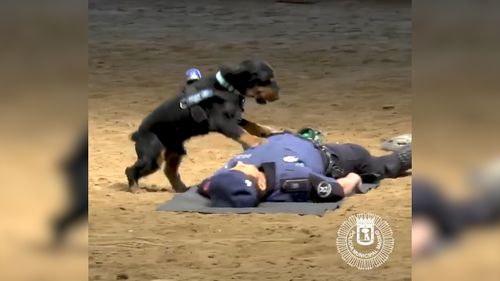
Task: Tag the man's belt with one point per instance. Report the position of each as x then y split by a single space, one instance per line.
332 168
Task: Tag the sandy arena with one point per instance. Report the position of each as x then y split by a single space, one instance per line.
343 67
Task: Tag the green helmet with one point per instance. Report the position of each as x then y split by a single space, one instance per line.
312 134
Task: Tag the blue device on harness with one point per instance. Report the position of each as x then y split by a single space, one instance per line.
192 75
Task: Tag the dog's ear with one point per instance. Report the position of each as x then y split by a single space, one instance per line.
237 73
227 68
248 67
258 69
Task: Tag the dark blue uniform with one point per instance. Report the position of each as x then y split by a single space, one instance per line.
295 172
453 217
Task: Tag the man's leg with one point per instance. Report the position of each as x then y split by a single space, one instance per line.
452 217
484 209
355 158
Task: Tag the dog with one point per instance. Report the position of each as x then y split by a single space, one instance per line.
75 169
214 103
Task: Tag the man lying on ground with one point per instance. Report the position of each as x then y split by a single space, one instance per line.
292 168
438 220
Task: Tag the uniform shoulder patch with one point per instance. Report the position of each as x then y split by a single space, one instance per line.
324 189
291 159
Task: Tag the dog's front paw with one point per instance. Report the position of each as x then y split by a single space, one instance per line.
260 142
277 131
257 142
180 187
247 141
136 190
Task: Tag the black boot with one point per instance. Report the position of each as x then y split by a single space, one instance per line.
397 163
404 157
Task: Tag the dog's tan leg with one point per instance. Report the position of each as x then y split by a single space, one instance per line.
258 129
247 140
171 170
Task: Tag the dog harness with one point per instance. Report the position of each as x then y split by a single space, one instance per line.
196 98
191 101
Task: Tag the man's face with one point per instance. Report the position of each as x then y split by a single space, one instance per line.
253 173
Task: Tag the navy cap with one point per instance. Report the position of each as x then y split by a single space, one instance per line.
232 189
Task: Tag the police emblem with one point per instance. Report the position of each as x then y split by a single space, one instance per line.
365 231
365 241
290 159
324 189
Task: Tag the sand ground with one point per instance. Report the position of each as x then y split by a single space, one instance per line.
339 64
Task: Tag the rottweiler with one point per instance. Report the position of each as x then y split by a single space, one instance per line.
214 103
75 169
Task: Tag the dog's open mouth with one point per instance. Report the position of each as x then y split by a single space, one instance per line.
261 100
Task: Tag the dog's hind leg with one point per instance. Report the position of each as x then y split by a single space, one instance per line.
173 161
141 168
150 154
77 213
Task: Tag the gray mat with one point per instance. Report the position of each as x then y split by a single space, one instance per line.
191 201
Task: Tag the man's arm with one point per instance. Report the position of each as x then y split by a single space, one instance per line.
350 183
321 188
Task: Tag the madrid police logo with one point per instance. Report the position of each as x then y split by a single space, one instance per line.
365 231
365 241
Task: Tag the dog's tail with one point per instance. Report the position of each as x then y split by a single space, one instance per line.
134 136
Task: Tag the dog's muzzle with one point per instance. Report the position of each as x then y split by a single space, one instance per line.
275 89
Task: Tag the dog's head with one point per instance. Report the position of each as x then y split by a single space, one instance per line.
254 78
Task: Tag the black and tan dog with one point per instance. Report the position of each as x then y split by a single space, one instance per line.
211 104
75 169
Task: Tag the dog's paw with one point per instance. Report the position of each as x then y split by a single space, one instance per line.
137 190
269 132
261 141
257 142
180 188
277 131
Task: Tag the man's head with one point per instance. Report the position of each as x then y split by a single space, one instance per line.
244 181
251 172
254 78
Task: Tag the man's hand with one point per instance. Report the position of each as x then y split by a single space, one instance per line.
350 183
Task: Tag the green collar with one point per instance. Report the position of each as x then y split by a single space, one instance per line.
223 82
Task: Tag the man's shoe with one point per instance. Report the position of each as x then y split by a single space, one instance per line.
404 157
